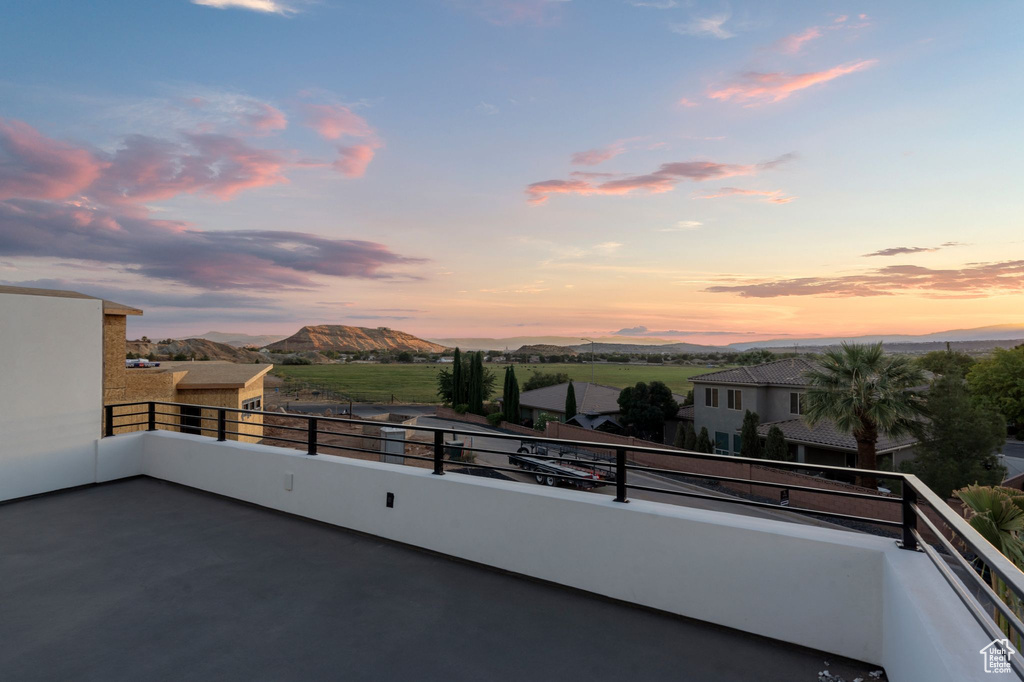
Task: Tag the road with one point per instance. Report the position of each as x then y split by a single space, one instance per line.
1013 459
480 440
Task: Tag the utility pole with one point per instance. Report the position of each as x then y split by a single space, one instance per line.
591 359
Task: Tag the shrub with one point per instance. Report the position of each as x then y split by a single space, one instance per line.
494 419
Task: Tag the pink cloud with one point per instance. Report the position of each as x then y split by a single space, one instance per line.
970 281
842 18
332 121
353 160
755 88
511 12
147 168
683 102
266 119
662 180
773 196
794 43
593 157
37 167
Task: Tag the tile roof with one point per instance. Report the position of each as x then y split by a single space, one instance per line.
825 434
787 372
590 398
686 412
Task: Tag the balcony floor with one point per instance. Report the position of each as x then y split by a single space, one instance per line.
143 580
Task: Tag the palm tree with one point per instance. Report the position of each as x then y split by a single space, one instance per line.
864 393
997 513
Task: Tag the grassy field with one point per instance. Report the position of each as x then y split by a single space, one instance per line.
418 383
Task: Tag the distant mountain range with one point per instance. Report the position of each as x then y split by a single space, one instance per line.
999 332
639 344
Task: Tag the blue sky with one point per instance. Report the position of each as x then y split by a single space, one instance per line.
474 168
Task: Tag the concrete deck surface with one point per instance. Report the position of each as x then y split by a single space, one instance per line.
144 580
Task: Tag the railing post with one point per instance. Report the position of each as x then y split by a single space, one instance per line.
152 416
108 418
438 453
620 475
222 424
909 517
312 436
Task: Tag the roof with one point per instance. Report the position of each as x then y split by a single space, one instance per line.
591 398
686 412
109 307
593 421
213 373
788 372
825 434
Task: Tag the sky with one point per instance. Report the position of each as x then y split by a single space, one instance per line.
695 171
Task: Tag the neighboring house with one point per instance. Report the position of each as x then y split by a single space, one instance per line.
597 406
208 383
774 390
216 384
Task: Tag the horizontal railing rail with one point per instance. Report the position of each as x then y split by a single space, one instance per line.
611 464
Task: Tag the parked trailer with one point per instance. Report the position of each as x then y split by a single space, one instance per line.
532 457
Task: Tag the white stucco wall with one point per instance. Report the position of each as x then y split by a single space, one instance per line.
841 592
51 392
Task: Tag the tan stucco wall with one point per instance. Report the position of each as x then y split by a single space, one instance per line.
252 428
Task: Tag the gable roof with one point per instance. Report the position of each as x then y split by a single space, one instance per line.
590 398
824 434
787 372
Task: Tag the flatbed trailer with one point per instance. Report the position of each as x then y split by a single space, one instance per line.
531 458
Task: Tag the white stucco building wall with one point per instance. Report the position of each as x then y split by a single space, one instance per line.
51 392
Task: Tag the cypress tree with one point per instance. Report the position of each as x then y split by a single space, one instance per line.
476 383
457 394
680 439
514 393
775 445
750 442
570 402
704 441
691 437
506 396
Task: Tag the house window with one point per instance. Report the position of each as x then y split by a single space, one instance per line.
721 443
737 443
796 403
735 399
711 397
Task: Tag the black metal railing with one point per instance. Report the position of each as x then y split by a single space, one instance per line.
962 556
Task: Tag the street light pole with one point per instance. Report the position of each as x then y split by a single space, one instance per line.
591 358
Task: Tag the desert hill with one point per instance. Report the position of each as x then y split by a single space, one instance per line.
239 340
195 348
345 339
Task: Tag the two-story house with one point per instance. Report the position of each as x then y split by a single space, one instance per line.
774 390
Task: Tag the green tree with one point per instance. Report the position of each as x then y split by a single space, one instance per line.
476 383
510 397
691 437
680 440
997 514
544 379
998 383
703 443
750 442
775 446
570 402
457 396
645 407
865 393
960 440
404 356
946 361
